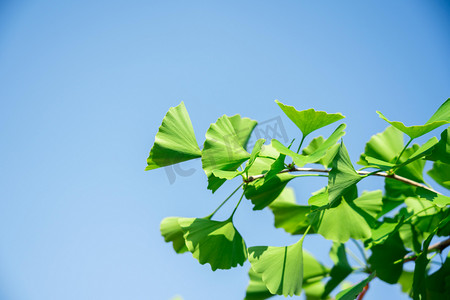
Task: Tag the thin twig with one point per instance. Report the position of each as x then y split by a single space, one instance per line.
364 291
439 246
381 174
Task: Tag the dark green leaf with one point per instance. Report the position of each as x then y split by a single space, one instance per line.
256 289
213 242
383 257
340 270
281 267
175 141
419 282
441 151
309 120
352 292
438 283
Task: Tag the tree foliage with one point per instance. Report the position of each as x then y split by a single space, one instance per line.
392 226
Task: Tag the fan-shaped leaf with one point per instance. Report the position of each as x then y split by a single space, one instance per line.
439 118
314 145
175 141
441 151
342 175
288 214
309 120
223 149
213 242
419 282
301 160
441 173
281 267
172 232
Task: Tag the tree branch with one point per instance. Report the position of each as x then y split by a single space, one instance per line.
381 174
439 246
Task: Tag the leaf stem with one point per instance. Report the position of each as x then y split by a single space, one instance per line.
306 232
360 249
237 205
403 150
225 201
301 143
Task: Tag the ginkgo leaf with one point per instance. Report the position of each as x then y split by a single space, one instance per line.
301 160
341 222
223 149
243 128
419 287
385 229
421 151
441 151
384 146
175 141
352 292
441 173
342 175
313 272
281 267
309 120
383 257
438 283
439 118
172 232
314 145
214 242
263 192
288 214
340 270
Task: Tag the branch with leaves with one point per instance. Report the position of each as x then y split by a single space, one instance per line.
385 224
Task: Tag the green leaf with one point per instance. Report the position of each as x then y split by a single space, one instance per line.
342 176
439 118
314 145
281 267
313 272
214 242
342 222
301 160
441 173
383 258
309 120
243 128
406 280
438 199
438 283
288 214
172 232
256 289
420 152
340 270
385 229
223 149
314 291
384 146
420 273
175 141
352 292
441 151
263 192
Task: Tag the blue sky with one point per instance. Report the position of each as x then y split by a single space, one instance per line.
85 85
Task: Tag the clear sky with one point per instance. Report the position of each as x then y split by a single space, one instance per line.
84 86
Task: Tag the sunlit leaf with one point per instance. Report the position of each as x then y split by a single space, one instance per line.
352 292
314 290
384 146
214 242
340 270
341 222
300 160
309 120
243 128
175 141
314 145
406 281
438 199
288 214
384 230
172 232
383 257
256 289
342 175
281 267
439 118
223 149
441 173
